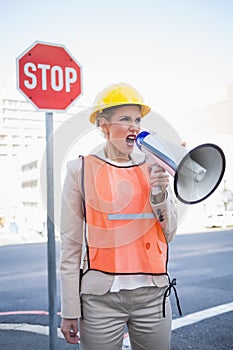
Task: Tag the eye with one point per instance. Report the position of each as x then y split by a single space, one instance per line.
125 119
128 119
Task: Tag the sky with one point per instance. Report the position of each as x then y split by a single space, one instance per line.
177 53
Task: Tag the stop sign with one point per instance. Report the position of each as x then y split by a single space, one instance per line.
49 76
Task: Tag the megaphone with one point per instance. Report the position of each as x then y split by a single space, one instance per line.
196 173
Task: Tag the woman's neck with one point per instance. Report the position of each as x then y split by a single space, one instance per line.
115 155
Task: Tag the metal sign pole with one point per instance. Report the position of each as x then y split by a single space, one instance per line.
51 246
49 99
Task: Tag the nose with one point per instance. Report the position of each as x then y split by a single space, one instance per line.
134 126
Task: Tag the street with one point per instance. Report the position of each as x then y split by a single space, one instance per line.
202 263
203 266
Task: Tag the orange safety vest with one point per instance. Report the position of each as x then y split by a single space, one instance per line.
122 233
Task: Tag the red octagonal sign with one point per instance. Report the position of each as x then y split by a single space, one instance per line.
49 76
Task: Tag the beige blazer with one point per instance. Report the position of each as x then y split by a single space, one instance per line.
72 255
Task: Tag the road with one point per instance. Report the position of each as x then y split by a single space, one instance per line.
202 264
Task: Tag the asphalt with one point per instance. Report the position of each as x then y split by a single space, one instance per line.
207 334
12 338
20 340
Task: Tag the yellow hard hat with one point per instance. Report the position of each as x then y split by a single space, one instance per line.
117 95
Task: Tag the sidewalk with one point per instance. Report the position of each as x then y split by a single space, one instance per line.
7 238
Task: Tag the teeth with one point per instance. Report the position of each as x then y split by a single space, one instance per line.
130 140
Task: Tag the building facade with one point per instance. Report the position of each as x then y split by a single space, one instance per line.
22 143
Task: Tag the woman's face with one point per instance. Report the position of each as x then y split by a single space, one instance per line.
122 130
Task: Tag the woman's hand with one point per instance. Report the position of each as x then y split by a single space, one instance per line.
69 328
159 181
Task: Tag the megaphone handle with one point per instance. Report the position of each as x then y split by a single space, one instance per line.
151 160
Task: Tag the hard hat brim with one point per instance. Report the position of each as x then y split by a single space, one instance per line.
144 109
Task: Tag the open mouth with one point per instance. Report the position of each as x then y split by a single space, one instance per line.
130 140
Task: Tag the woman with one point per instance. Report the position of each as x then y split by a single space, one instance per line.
117 231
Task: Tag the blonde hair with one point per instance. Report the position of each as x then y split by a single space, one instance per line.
107 113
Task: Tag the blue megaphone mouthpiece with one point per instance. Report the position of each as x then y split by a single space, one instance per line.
140 137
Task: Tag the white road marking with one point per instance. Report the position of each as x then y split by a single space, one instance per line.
33 328
201 315
177 323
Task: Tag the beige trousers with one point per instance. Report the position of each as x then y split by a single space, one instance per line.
105 316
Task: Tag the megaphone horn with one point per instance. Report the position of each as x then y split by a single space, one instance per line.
197 173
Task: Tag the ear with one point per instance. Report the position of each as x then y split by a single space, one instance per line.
104 125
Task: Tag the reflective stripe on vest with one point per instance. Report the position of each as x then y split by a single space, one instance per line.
122 233
131 216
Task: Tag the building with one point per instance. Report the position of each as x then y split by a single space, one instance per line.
22 141
215 124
